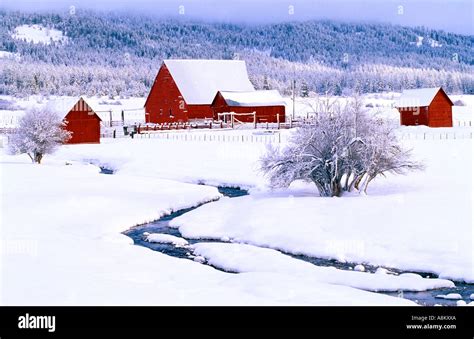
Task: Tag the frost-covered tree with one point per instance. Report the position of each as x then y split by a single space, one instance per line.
40 132
342 149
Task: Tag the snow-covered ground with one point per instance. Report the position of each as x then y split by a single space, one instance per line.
38 34
214 163
61 246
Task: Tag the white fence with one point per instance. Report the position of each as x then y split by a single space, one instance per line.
215 137
436 135
278 137
462 123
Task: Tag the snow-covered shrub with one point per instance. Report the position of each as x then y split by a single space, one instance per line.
341 150
40 131
459 103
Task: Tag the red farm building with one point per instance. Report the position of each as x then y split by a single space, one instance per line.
268 106
425 106
184 89
82 120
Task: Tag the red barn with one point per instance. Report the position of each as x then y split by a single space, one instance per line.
184 89
81 119
269 106
425 106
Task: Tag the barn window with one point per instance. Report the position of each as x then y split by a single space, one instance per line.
416 111
161 111
171 114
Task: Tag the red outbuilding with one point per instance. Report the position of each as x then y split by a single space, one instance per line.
268 106
82 120
425 106
184 89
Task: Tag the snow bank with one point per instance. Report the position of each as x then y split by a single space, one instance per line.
248 258
450 296
166 239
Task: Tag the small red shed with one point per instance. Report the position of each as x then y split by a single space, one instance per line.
82 120
425 106
184 89
269 106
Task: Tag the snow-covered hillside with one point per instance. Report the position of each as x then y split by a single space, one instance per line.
38 34
118 53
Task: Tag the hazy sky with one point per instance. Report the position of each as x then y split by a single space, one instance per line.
451 15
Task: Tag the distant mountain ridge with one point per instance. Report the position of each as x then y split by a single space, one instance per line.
103 48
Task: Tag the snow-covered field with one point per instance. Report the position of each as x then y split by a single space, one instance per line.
61 223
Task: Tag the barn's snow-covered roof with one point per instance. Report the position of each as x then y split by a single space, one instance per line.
420 97
63 105
199 80
253 98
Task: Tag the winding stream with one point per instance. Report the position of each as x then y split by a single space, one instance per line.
161 226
